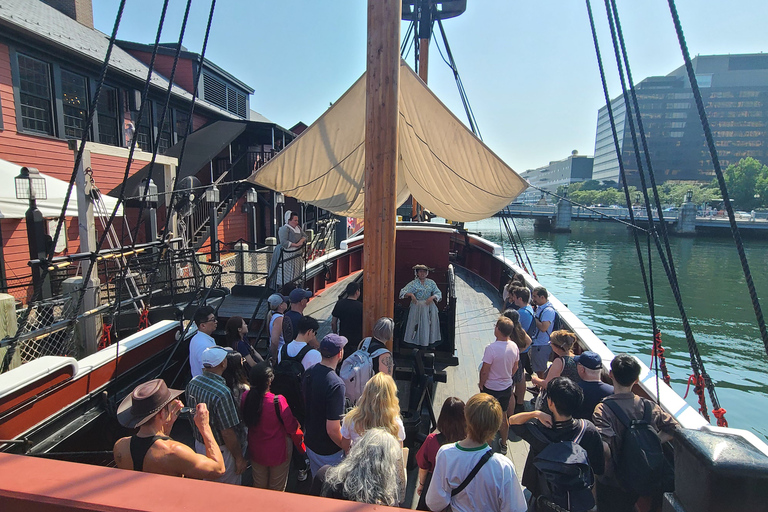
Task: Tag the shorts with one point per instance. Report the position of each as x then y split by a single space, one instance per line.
502 396
539 355
519 375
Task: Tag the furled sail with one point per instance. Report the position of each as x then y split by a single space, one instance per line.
441 163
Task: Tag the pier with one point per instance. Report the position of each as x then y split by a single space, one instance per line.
684 222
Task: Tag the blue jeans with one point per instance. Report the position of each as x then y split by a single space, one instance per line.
316 461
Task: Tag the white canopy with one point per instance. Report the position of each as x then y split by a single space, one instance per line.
12 208
441 163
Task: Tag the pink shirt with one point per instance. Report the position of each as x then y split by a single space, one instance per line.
502 356
266 441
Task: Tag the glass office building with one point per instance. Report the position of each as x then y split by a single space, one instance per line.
734 90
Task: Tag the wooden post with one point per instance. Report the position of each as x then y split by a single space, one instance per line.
423 74
381 155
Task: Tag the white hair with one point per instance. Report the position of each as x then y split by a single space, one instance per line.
373 472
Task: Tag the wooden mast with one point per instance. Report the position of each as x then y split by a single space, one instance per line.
423 73
381 156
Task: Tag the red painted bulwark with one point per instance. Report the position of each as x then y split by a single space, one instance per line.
31 484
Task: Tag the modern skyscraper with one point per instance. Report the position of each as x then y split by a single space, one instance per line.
734 90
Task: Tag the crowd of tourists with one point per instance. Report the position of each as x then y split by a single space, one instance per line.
332 412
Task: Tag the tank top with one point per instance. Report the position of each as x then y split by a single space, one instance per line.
139 448
569 369
271 323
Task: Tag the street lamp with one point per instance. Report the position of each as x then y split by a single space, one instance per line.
212 198
279 199
149 197
689 196
252 199
31 185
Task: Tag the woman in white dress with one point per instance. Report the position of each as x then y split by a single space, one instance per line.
290 242
423 327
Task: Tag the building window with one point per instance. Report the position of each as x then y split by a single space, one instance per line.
35 95
166 137
108 115
182 124
74 94
144 137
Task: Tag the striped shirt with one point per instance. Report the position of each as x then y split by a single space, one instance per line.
212 390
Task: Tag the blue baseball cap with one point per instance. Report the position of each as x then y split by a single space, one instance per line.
589 359
299 294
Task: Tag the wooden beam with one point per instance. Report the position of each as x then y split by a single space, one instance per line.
423 74
381 155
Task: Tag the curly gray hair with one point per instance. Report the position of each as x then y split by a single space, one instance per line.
373 472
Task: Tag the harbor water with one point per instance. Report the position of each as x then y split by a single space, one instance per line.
594 270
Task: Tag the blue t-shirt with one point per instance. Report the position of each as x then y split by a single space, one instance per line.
526 317
594 392
545 313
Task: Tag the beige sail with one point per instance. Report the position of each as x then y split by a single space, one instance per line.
441 163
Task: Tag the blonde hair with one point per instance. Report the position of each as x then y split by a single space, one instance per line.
484 415
378 406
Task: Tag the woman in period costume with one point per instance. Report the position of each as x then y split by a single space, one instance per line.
290 242
423 327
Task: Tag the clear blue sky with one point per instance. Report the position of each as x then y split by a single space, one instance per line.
529 68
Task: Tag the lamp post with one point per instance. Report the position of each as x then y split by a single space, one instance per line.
149 196
212 198
279 199
689 196
252 200
31 185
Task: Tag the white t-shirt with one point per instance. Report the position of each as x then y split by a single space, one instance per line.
199 342
310 359
495 488
502 356
348 430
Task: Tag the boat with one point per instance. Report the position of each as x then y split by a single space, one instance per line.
55 404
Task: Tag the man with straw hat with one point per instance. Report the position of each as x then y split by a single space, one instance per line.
154 408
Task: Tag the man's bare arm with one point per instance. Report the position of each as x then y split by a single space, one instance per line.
334 325
387 364
333 429
233 445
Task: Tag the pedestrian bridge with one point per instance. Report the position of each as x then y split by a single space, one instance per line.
545 216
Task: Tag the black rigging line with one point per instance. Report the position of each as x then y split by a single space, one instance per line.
405 46
696 359
462 92
646 283
163 117
719 172
37 294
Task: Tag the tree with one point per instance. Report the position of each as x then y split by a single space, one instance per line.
747 183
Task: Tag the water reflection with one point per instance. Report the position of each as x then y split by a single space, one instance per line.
595 271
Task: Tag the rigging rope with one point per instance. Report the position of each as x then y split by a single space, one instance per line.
719 172
37 293
697 362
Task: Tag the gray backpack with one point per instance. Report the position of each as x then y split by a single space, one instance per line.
357 370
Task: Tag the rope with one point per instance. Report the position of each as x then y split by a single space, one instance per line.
459 84
646 284
62 217
719 172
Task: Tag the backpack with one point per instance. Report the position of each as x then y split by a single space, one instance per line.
287 381
357 370
557 323
565 473
640 465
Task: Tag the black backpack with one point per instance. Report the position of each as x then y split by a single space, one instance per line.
564 472
287 381
640 465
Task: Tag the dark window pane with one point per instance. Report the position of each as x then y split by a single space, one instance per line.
165 135
144 138
35 95
109 127
182 120
75 98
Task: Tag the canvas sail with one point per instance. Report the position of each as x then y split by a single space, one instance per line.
441 163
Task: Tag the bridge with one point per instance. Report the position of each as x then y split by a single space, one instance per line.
685 221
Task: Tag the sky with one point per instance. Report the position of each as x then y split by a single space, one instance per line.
529 68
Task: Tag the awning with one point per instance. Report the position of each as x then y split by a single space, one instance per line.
441 163
12 208
202 146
